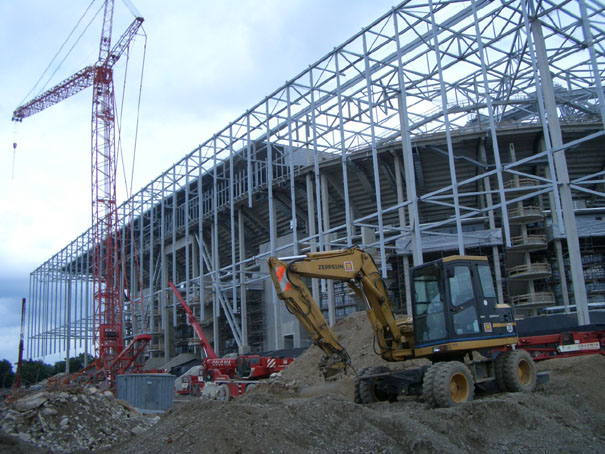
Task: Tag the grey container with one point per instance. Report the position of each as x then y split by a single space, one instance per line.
149 393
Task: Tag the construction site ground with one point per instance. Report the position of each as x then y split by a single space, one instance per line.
300 413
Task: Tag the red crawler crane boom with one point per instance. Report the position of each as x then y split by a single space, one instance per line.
109 342
223 378
208 350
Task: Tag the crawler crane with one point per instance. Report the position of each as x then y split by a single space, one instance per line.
455 314
223 378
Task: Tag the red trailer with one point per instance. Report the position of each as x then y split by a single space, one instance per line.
571 343
559 335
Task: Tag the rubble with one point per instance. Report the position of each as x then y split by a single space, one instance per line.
72 419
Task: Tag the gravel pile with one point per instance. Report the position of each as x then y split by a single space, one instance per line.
355 334
70 420
300 413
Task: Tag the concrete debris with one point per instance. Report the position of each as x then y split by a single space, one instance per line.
31 402
68 421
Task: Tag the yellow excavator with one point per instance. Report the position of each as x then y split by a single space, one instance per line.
455 314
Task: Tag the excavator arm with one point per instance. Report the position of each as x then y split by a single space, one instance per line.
298 300
358 270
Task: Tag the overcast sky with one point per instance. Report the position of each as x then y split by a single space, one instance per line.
205 63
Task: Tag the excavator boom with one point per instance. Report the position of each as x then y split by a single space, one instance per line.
358 270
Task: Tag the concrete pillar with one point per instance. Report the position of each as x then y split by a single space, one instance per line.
216 307
242 282
558 245
326 227
312 230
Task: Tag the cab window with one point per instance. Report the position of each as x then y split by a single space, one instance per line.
487 283
461 286
429 317
463 300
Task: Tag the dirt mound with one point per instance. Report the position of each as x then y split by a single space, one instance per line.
303 414
356 336
563 416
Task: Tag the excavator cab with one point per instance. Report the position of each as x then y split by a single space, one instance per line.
455 308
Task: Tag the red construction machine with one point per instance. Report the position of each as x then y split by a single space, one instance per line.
559 335
223 378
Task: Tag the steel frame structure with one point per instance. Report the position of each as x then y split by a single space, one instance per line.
419 79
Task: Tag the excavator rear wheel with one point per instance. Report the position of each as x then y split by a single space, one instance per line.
453 384
520 372
373 390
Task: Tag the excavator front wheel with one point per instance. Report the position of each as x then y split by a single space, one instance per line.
428 391
453 384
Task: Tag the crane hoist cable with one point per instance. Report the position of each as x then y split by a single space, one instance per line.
128 186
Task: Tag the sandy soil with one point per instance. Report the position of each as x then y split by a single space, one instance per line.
303 414
565 416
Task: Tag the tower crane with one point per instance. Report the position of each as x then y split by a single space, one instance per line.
112 357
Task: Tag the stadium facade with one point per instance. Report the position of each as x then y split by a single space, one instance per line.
441 128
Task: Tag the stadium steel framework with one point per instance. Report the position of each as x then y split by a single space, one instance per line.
442 127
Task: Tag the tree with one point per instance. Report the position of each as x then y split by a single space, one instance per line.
6 374
59 367
75 364
35 371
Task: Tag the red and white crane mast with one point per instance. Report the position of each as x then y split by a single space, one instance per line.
107 307
109 341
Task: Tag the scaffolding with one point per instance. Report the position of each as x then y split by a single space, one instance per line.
398 140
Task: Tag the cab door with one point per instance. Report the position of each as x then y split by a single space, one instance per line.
429 305
492 321
463 300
